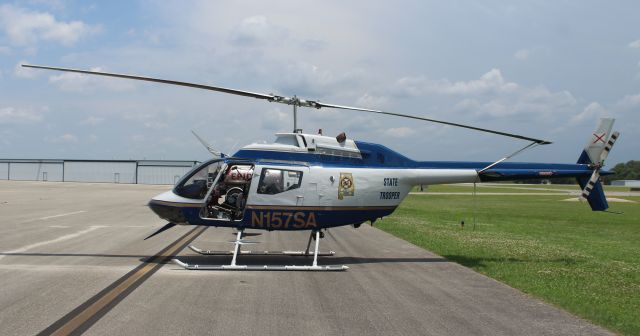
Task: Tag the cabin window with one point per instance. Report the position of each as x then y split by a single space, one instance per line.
275 181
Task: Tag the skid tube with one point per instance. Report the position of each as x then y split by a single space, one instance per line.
259 267
237 251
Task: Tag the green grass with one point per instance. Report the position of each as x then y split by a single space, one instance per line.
585 262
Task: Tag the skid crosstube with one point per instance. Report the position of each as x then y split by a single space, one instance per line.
260 267
278 253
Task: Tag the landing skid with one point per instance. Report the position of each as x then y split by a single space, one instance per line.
236 251
258 267
276 253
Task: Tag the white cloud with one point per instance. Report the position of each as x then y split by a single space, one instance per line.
222 43
65 138
26 28
5 50
92 120
529 103
155 124
522 54
257 30
629 101
635 44
400 132
137 137
10 115
153 118
493 96
277 120
372 101
492 81
76 82
53 4
591 112
311 81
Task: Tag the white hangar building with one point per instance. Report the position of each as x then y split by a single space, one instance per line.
108 171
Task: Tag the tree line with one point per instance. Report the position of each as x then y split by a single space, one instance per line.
624 171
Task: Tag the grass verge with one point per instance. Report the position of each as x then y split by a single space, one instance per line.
585 262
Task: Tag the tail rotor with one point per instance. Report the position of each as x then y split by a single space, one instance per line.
595 176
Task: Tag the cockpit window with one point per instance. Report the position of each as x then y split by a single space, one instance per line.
195 184
275 181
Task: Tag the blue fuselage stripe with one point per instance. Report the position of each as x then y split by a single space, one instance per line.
278 217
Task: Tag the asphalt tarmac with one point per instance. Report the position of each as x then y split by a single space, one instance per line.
73 259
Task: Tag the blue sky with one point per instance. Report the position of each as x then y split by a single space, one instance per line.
542 69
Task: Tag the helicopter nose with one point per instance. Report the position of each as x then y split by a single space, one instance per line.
165 207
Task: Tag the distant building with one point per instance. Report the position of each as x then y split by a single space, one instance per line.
626 183
633 184
109 171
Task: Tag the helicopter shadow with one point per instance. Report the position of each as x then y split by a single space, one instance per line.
484 261
466 261
243 259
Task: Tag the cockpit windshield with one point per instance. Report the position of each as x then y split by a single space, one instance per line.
195 184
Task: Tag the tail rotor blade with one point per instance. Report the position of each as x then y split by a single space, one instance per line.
596 172
607 147
591 184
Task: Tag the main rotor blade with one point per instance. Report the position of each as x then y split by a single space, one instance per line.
158 80
517 136
284 100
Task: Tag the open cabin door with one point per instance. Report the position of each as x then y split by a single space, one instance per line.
228 193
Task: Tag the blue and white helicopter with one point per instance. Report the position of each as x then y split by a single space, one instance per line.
314 182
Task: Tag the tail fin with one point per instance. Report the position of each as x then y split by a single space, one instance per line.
595 152
597 141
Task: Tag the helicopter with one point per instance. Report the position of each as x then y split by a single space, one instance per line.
314 182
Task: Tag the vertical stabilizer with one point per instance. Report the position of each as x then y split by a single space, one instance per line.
594 154
597 141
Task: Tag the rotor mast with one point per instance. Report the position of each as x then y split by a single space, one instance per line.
295 102
295 116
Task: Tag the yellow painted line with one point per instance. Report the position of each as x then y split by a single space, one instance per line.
108 297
